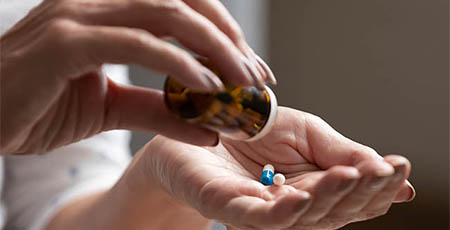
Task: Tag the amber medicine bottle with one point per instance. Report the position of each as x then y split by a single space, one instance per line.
240 113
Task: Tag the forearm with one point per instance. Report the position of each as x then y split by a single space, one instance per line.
123 207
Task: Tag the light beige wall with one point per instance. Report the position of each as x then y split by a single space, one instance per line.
378 72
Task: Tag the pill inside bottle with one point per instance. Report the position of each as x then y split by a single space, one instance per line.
240 113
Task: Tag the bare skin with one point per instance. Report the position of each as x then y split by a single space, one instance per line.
331 181
53 92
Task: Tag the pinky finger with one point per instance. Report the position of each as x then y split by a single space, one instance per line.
407 193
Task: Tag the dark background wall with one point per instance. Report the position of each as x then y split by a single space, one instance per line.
377 71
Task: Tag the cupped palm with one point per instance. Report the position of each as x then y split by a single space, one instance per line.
331 180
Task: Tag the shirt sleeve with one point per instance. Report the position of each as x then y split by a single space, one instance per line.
37 187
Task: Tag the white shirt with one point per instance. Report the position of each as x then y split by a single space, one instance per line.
36 187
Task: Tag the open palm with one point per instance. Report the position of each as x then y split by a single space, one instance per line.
331 180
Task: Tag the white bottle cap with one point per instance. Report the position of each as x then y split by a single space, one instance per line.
272 116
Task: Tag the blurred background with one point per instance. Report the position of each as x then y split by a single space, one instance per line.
377 71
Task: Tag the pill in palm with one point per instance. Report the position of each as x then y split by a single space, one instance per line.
267 175
269 167
279 179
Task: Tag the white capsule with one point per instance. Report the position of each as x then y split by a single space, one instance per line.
269 167
279 179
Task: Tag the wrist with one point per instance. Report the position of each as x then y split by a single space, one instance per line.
139 196
135 202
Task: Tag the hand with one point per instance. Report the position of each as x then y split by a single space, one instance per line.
53 92
331 180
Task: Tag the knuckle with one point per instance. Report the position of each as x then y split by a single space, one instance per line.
65 38
61 30
207 196
182 62
362 150
139 38
314 121
234 31
168 6
314 118
370 150
64 9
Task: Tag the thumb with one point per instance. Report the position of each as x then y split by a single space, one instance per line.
143 109
329 148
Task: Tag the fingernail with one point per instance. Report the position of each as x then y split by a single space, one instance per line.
413 191
252 57
213 81
267 69
260 68
248 81
257 78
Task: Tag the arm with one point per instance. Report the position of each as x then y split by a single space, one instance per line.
122 208
331 180
68 98
78 187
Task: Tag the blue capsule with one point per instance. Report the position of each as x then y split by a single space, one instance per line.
267 175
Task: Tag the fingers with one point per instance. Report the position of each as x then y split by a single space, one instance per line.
375 175
216 12
256 213
247 204
269 74
219 15
407 193
141 109
289 208
327 147
209 41
124 45
194 31
383 200
334 185
173 18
